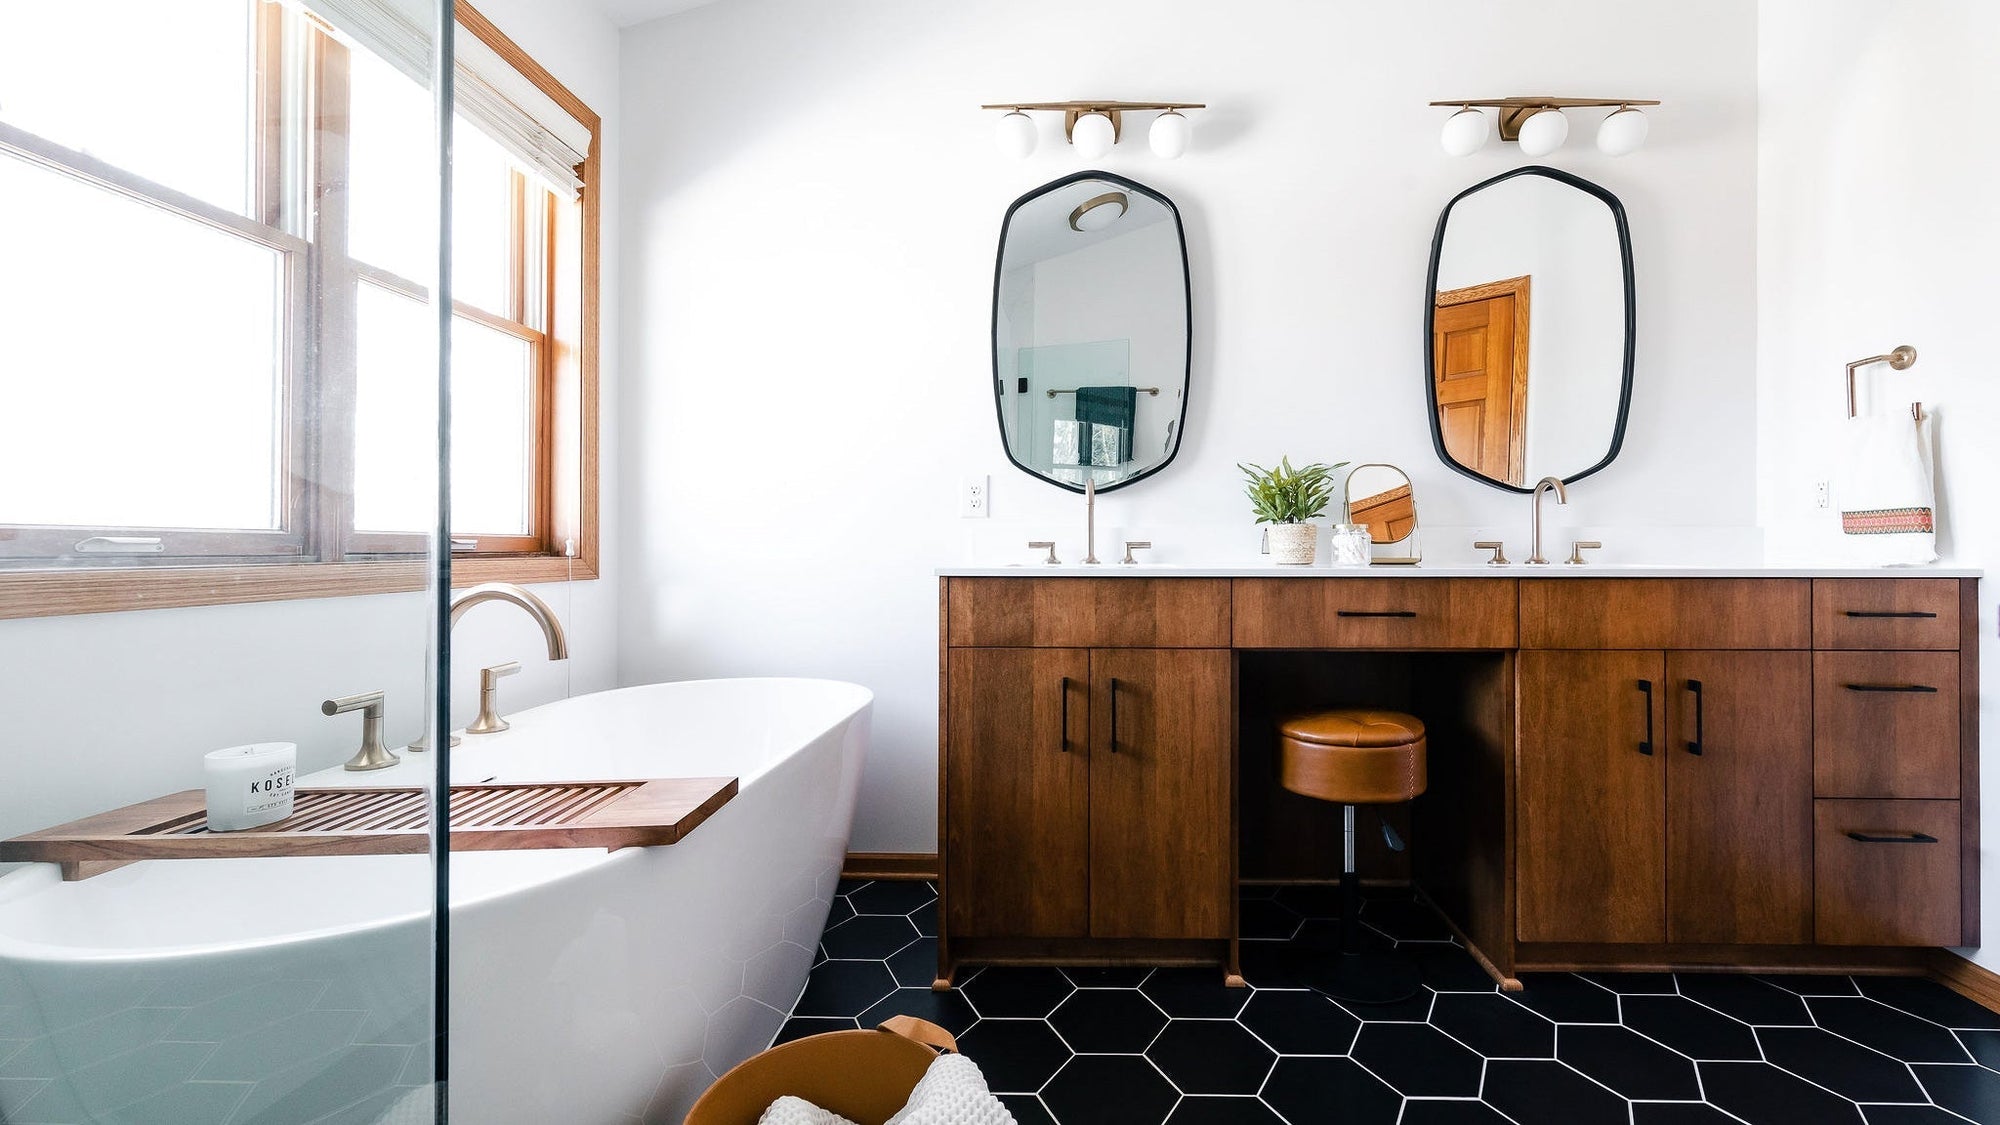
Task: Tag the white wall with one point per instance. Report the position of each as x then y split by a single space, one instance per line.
814 202
102 710
1876 228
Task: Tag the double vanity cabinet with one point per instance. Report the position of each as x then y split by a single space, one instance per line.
1757 769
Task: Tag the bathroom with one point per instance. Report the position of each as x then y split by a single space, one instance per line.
1798 204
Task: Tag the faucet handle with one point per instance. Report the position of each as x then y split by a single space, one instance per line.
372 755
1577 548
1132 545
489 720
1498 548
1039 544
489 678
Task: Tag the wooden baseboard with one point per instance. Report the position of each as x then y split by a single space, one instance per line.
1975 982
890 865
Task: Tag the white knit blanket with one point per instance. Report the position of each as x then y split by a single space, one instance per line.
789 1110
952 1092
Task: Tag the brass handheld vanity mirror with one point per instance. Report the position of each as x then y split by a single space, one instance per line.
1380 496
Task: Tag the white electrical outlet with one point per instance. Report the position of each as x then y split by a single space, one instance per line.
972 499
1822 493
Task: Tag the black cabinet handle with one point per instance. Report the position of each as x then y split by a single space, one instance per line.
1646 747
1062 736
1114 714
1695 746
1906 838
1375 613
1924 689
1888 613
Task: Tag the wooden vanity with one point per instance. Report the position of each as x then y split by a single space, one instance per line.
1761 770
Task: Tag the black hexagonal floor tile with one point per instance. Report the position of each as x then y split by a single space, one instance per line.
1494 1026
1418 1060
1929 1000
1566 998
1971 1091
924 918
1419 1111
1840 1065
1267 918
1449 968
1634 984
868 936
1405 920
1211 1057
1886 1029
844 988
1109 1089
1008 992
1909 1115
849 886
1210 1110
948 1010
1195 993
1016 1056
1330 1089
1549 1093
1627 1062
1300 1022
1746 998
1107 976
1761 1094
892 896
1811 984
1109 1021
838 911
1984 1045
1687 1027
1311 900
1679 1113
798 1027
916 964
1027 1109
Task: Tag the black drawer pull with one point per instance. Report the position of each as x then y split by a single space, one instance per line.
1114 714
1695 746
1907 838
1924 689
1062 736
1888 613
1375 613
1646 747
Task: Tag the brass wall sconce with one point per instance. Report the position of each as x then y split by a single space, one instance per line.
1094 126
1539 126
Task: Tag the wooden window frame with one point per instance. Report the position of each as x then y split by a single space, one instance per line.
565 503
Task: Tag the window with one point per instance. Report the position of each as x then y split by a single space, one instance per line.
217 347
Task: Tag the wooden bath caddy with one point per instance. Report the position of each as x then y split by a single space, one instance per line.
386 821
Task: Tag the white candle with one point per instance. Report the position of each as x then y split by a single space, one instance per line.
249 785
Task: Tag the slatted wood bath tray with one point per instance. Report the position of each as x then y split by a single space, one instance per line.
387 821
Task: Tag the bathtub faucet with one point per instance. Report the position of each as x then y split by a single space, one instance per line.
530 604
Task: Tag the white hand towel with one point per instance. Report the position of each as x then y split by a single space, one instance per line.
1887 507
789 1110
952 1092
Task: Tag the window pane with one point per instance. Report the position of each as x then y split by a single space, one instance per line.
162 90
482 221
390 150
143 370
491 431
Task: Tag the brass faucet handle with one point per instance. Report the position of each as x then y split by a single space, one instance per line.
489 720
1577 549
489 678
1498 548
372 755
1050 544
1132 545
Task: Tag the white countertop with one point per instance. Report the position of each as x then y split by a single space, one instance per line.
1421 570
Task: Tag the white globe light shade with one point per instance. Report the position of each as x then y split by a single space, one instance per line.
1622 132
1170 135
1016 135
1092 135
1465 132
1544 132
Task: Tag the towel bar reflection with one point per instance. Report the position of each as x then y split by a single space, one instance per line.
1901 359
1154 391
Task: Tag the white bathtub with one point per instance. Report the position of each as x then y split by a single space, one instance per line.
585 986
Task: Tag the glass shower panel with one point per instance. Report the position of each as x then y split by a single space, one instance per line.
182 303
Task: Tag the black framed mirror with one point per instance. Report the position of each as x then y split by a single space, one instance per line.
1092 310
1529 315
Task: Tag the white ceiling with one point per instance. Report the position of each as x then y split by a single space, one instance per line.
626 13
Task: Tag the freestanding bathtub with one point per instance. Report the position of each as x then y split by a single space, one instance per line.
586 986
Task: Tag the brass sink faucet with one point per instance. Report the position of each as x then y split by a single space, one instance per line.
1546 483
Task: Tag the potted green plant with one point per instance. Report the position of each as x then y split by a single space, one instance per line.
1289 499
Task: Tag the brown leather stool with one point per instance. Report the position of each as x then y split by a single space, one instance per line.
1355 756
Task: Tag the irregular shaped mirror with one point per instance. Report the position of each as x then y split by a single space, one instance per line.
1380 496
1090 331
1529 323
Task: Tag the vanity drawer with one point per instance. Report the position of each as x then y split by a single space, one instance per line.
1885 613
1885 873
1600 613
1885 724
1087 612
1375 613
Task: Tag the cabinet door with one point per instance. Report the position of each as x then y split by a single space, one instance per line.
1017 792
1590 797
1159 793
1739 797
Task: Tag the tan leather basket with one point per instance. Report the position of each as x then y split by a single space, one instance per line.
864 1076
